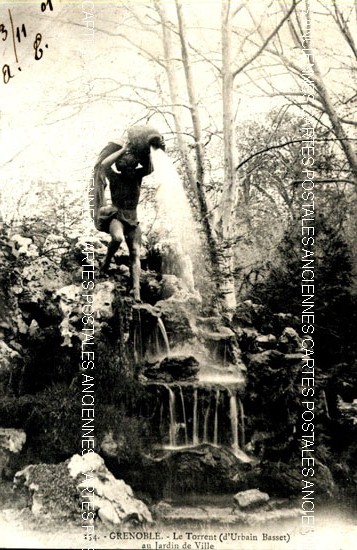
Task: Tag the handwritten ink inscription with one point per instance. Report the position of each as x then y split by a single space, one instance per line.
17 34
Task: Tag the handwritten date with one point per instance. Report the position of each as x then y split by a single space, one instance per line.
17 35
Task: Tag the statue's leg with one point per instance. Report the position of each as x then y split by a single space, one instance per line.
116 231
133 240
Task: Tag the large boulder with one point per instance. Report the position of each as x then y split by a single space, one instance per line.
289 341
57 490
23 246
207 469
179 320
173 368
266 360
283 479
249 314
266 341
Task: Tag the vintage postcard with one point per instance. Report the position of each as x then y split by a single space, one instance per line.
178 260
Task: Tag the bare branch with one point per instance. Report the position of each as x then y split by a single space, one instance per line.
239 8
344 28
325 180
267 40
290 142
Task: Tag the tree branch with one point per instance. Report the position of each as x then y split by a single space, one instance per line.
291 142
267 40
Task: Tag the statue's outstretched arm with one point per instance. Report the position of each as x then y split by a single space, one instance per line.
108 161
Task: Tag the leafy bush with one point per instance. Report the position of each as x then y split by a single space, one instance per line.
335 304
51 420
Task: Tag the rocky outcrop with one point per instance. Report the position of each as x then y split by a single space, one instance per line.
289 341
283 479
8 357
57 490
23 246
70 304
11 443
207 469
173 368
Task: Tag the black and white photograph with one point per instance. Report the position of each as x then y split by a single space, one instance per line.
178 274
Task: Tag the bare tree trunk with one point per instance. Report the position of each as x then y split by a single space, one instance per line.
323 92
191 92
195 174
221 255
229 185
336 123
227 204
175 96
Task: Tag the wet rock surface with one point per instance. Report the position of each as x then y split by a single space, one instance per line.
173 368
206 469
282 479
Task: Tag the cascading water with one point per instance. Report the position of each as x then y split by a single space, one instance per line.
184 415
195 418
149 336
138 340
174 220
202 409
163 332
233 414
221 407
215 426
242 421
205 422
172 409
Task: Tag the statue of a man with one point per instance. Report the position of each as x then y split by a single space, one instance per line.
124 165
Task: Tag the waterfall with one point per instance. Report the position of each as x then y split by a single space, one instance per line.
161 420
184 415
172 408
195 419
138 340
205 422
215 427
163 332
174 220
150 337
233 413
214 415
242 422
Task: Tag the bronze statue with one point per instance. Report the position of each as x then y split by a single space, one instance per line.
124 165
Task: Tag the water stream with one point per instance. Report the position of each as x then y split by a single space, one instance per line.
205 422
174 220
162 329
172 409
215 426
197 415
184 414
233 414
195 421
206 409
